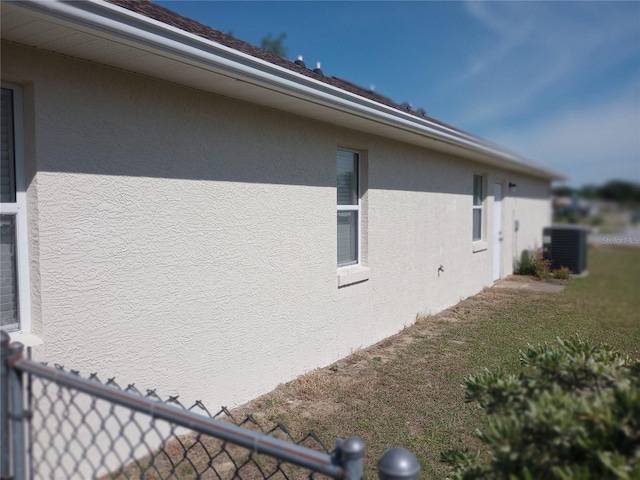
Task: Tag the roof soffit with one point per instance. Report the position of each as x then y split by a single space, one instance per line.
107 34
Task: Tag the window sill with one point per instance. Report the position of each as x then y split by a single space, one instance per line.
480 246
26 339
352 274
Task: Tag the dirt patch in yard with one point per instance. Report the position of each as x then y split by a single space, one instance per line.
391 393
311 392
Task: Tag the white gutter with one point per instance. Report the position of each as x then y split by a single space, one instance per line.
156 37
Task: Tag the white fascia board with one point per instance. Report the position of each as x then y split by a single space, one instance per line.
128 27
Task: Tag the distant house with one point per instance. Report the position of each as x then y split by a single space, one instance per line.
184 210
573 206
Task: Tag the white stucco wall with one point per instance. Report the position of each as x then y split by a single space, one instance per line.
187 242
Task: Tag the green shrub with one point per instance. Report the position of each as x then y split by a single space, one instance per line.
532 263
573 412
526 265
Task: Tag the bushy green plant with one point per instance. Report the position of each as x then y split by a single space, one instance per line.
526 265
532 263
573 412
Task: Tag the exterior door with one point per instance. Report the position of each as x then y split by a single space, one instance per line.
497 231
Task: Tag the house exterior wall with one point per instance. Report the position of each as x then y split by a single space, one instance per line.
187 242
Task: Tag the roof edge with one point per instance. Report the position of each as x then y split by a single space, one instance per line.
153 35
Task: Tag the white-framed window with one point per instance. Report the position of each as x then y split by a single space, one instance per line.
478 202
14 261
348 203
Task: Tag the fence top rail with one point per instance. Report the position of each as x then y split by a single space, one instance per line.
254 441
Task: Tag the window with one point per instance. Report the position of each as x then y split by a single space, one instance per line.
14 310
478 199
348 193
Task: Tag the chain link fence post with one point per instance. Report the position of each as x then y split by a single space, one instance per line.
17 413
352 456
398 464
5 451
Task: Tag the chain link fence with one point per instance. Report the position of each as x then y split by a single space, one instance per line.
79 435
57 424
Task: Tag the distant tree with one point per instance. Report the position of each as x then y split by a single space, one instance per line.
620 191
275 45
589 192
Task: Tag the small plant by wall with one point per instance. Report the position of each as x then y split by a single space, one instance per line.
543 266
562 273
532 263
526 265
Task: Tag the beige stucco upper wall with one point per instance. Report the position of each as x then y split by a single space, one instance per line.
186 241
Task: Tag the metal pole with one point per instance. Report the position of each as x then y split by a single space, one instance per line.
17 414
29 398
398 464
5 451
352 456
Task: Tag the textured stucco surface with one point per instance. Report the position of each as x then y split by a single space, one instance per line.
187 242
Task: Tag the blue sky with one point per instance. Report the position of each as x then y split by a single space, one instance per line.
557 82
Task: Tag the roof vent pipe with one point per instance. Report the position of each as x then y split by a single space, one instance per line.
318 70
300 62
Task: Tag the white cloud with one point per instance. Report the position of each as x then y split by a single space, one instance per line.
590 145
541 49
511 35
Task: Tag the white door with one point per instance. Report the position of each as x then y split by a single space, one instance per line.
497 230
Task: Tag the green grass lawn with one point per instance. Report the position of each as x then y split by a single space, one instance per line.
407 390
